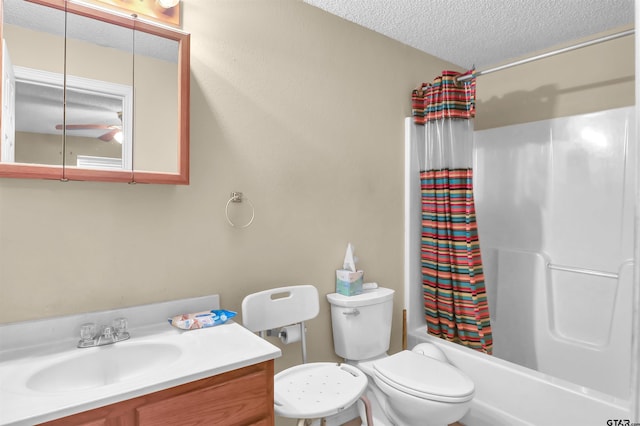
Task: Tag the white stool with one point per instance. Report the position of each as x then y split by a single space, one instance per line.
318 390
308 391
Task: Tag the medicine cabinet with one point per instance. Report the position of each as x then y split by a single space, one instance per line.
90 94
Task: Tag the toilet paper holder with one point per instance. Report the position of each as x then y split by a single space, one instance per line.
275 332
290 334
281 333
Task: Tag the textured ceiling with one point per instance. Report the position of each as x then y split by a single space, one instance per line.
483 33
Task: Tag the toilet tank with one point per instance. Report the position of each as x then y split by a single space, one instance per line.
362 323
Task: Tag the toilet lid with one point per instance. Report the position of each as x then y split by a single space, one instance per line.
424 377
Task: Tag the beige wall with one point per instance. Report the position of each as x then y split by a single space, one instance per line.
591 79
301 111
156 122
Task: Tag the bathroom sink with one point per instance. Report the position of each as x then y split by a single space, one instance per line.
101 366
44 376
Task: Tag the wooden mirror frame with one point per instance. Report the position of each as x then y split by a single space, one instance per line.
34 171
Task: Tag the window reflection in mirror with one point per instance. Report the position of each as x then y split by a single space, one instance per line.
95 113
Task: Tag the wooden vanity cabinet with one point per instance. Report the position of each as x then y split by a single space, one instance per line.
239 397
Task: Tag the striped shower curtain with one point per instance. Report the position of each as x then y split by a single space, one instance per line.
455 299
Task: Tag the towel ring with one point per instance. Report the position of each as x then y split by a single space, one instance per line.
236 197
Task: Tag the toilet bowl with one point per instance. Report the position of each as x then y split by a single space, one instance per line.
412 388
421 390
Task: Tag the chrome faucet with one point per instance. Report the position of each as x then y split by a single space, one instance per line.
108 335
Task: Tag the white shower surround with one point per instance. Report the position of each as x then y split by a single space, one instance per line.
550 399
555 203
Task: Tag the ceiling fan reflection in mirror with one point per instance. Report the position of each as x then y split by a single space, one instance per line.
113 132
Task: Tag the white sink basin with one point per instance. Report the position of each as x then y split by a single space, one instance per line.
101 366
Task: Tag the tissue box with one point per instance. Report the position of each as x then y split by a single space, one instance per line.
349 283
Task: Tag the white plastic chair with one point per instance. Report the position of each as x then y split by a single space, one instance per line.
307 391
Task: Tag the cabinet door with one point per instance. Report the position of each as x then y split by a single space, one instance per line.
241 401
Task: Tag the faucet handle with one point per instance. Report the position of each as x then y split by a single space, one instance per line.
120 325
87 334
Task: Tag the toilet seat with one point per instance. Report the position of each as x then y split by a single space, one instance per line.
424 377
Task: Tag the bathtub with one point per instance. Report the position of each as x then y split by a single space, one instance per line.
510 395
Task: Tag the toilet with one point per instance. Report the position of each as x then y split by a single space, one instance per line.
417 387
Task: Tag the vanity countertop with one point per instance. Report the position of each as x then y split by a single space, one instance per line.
202 353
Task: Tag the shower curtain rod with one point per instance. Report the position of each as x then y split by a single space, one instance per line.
548 54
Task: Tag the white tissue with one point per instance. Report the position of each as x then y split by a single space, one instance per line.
349 263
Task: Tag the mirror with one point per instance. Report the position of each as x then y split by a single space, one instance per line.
126 86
